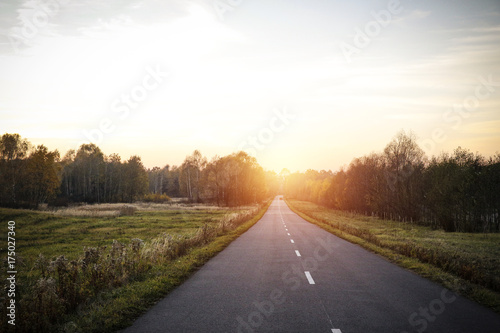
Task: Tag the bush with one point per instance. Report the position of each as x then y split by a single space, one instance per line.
127 210
156 198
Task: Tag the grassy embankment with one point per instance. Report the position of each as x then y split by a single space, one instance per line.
466 263
96 268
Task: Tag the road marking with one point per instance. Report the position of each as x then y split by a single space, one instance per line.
297 253
309 277
336 330
291 240
288 233
286 229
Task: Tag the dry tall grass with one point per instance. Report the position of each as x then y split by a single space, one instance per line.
101 210
119 209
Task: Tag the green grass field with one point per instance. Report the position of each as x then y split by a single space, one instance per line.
104 280
53 234
464 262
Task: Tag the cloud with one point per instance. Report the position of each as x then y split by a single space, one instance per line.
412 17
22 23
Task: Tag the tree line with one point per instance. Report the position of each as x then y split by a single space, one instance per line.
30 176
455 192
231 180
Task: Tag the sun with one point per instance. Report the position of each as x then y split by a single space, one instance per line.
281 160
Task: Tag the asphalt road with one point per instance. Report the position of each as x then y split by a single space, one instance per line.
288 275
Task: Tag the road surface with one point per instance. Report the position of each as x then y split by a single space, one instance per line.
288 275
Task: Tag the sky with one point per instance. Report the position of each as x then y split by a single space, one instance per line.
298 84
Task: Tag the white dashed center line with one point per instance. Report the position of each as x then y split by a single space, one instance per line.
307 273
309 277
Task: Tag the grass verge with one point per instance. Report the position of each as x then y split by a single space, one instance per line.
109 285
118 308
466 263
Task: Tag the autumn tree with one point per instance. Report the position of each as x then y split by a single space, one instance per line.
84 176
191 177
13 151
156 177
42 175
456 193
136 181
90 176
218 174
114 178
27 178
236 179
404 166
462 192
172 186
